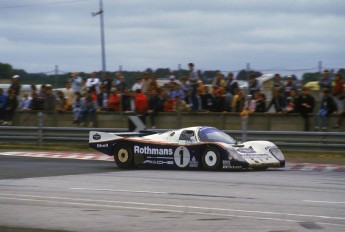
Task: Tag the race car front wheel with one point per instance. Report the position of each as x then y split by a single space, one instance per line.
211 159
123 157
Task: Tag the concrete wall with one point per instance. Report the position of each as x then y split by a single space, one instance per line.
224 121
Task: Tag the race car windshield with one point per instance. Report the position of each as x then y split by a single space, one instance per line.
215 135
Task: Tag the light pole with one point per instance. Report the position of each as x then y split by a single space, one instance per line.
100 13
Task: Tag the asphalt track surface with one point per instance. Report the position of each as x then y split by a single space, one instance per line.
43 194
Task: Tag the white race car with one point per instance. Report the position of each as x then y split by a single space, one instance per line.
193 147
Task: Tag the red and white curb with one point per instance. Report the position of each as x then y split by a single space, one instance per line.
101 157
61 155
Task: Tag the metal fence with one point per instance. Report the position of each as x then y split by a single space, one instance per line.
286 140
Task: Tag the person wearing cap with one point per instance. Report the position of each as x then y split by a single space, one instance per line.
15 85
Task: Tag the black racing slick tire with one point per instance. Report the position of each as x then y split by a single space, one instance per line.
123 157
211 159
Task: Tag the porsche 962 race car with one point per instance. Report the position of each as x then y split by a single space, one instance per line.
194 147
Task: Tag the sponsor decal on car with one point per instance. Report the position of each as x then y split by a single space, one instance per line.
193 163
96 136
227 165
102 145
246 150
147 150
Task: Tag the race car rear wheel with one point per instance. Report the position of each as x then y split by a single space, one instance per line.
211 159
123 157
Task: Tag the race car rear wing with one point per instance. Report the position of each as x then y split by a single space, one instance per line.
97 136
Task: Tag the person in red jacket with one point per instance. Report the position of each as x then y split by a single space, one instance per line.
114 101
140 102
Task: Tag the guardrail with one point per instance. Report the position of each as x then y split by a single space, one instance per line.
286 140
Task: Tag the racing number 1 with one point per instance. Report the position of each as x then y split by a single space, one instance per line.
181 156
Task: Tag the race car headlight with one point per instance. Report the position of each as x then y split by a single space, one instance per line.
277 153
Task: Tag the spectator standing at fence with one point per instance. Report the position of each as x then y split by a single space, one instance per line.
15 85
193 79
154 106
107 82
76 82
277 83
146 80
83 89
278 101
305 106
338 92
207 99
122 85
254 84
219 100
326 82
114 101
25 103
39 99
89 106
327 107
127 99
11 106
61 102
238 101
69 94
49 99
117 78
34 98
230 88
102 99
77 108
93 82
260 102
291 102
289 86
3 98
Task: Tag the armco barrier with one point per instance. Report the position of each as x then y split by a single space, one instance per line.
224 121
286 140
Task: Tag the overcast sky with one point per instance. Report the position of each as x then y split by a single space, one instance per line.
36 35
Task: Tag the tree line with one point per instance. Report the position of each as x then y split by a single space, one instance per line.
59 80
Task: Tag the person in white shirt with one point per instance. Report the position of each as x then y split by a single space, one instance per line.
137 85
25 102
93 82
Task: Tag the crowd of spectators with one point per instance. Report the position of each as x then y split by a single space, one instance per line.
86 96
